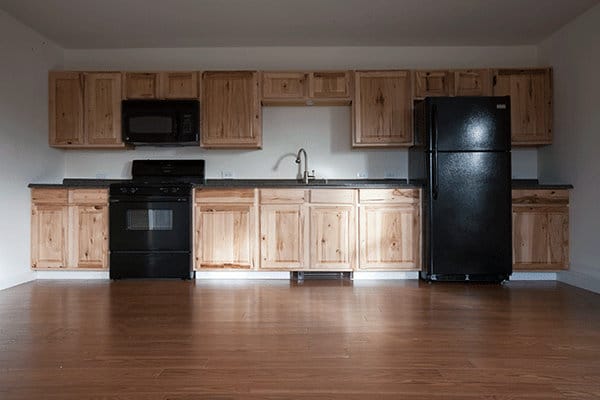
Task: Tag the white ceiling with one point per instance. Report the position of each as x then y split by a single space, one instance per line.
197 23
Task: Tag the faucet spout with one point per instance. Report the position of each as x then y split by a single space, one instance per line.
305 176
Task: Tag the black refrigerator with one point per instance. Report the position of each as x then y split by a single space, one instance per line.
462 157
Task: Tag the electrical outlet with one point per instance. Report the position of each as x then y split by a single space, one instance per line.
227 174
101 175
362 175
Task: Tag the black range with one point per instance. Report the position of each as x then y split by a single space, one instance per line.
150 220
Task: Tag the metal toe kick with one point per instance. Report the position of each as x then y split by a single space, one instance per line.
322 275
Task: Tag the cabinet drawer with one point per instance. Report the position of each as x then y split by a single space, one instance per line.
88 196
406 196
224 196
333 196
49 196
283 196
540 196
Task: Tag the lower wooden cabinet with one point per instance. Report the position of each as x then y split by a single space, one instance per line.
282 236
69 229
332 237
225 233
390 229
540 230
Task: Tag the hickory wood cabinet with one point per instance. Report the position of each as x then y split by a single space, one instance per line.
306 88
85 109
161 85
390 229
464 82
231 114
69 228
308 229
382 109
530 92
225 229
540 229
283 229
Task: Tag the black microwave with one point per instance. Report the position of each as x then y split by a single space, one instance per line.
161 122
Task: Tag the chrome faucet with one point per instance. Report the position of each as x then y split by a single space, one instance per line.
306 176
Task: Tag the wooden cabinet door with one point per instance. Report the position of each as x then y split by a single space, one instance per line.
230 110
471 82
332 237
432 83
65 106
282 237
141 85
382 109
103 109
283 86
89 236
49 235
329 85
530 94
540 238
225 236
179 85
389 237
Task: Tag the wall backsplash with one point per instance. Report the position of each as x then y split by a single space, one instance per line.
325 133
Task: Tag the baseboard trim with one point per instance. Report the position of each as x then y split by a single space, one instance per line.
204 275
72 275
533 276
384 275
580 280
8 282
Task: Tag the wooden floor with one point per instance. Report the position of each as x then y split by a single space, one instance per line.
281 340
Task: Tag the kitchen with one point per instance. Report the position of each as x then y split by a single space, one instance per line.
323 130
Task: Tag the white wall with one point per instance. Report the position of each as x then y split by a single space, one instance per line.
24 152
324 131
574 53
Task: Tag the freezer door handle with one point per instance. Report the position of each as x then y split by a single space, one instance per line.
434 167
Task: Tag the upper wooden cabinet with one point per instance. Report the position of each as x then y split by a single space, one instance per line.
471 82
65 108
141 85
431 83
530 92
103 108
329 85
306 88
540 229
160 85
382 109
283 86
231 115
179 85
69 228
96 125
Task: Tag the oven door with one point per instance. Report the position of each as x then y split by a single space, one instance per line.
150 225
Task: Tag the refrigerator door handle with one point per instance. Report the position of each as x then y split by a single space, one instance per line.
434 167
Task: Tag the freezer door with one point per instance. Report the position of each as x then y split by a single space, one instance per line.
469 123
470 224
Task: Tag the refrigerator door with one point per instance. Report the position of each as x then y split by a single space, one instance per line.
469 123
470 224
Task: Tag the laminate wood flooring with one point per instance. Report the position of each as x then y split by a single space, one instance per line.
284 340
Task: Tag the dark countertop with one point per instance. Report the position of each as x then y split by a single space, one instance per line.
318 183
535 184
292 183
